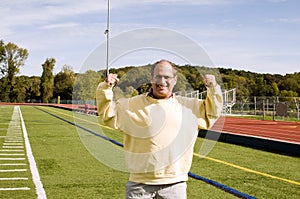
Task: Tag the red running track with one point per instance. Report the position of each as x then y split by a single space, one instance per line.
275 130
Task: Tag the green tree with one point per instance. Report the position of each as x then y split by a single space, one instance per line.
182 84
261 87
26 89
3 92
241 86
12 58
130 91
85 85
275 89
47 80
2 56
34 91
288 93
192 75
63 83
20 89
251 85
136 77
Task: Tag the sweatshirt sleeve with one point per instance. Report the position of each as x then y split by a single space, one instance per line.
105 104
211 108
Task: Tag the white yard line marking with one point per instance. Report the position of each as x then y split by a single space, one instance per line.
13 144
15 189
7 179
12 170
12 158
13 164
13 147
12 154
35 174
13 137
11 150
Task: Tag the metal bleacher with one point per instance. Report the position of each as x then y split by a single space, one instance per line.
229 97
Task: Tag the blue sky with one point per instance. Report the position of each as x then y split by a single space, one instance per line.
253 35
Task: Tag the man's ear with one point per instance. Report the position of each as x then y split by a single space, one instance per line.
175 78
151 80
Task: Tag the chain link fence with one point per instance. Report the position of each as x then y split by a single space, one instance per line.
276 107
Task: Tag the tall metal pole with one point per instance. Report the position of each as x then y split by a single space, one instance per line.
107 39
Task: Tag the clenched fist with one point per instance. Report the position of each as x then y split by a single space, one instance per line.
209 80
112 79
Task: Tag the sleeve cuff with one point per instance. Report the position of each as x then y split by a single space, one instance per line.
104 85
214 90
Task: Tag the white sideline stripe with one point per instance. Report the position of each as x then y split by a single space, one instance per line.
13 179
12 158
12 170
35 174
15 189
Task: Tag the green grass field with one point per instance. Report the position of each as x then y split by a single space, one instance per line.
68 170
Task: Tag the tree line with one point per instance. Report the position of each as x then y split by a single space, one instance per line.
68 85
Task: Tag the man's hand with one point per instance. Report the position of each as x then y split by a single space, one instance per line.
209 80
112 79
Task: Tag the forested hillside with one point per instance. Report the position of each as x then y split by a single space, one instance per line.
134 80
247 83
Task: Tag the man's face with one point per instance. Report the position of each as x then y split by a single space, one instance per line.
163 80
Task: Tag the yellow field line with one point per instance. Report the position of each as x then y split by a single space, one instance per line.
248 170
209 158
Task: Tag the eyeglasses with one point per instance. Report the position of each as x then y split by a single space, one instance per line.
159 77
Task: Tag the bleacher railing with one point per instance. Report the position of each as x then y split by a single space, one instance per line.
229 97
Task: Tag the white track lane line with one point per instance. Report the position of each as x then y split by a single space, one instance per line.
34 171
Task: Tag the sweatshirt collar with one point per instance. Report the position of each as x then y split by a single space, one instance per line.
151 94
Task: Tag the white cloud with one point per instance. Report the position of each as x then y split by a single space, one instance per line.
186 2
276 1
69 30
285 20
60 25
33 12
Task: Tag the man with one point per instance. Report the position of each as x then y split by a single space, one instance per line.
160 131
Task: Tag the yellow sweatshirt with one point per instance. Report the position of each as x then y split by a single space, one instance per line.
159 134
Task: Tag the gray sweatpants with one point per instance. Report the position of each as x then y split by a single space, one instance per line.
143 191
